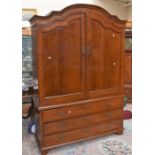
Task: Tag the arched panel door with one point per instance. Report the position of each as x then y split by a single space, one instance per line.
104 52
62 61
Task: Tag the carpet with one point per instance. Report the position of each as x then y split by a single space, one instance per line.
114 147
107 145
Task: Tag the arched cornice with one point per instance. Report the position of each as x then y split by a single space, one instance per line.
77 6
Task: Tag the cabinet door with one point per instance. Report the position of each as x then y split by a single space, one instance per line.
103 57
62 69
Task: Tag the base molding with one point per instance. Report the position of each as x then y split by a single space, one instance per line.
119 132
45 150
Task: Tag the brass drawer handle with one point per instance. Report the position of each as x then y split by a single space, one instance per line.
49 57
61 137
86 130
61 113
84 118
86 106
109 105
62 124
69 111
109 114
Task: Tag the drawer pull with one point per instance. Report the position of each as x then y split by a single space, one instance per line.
61 113
109 105
69 111
109 115
49 57
62 125
84 118
61 137
86 130
86 106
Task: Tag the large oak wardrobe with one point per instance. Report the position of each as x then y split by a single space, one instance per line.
78 61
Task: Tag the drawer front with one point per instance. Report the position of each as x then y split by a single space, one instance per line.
66 112
67 137
107 126
106 116
70 124
82 109
80 134
106 105
81 122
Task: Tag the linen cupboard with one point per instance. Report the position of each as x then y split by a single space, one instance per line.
78 58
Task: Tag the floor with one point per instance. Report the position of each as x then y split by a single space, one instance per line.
107 145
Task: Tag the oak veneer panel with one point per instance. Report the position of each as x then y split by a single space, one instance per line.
96 57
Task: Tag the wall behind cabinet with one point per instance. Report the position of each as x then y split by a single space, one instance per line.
45 6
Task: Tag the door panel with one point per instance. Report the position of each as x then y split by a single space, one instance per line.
103 58
71 59
96 59
112 60
51 61
63 62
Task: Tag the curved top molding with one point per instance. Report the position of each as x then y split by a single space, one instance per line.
77 6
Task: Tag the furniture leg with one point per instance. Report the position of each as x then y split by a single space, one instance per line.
119 132
44 152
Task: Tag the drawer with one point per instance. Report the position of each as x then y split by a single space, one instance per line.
107 126
66 112
80 134
70 124
81 122
106 116
105 105
82 109
66 137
